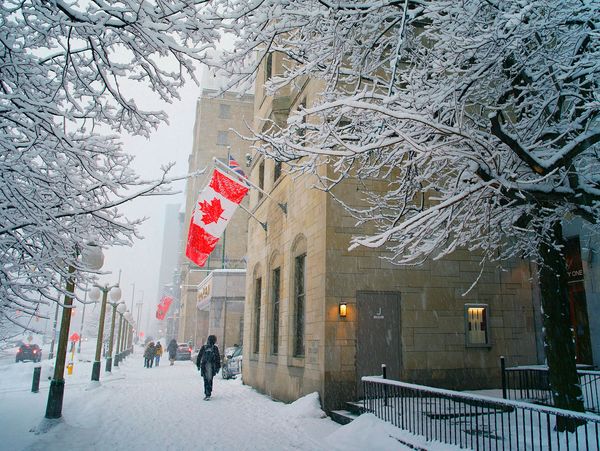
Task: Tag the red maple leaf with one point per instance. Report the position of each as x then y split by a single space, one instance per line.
212 212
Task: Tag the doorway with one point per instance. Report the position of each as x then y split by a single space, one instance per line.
577 302
378 335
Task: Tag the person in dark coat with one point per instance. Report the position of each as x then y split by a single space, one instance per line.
209 364
172 350
149 355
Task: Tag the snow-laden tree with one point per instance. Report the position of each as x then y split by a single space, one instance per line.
65 70
482 114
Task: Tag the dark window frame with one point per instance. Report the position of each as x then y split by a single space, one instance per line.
257 311
276 171
261 178
299 304
275 304
269 66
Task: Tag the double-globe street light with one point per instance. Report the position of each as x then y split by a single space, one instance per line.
115 296
92 259
115 307
121 310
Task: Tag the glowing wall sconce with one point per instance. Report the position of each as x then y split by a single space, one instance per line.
343 310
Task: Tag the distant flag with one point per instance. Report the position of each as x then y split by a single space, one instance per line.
215 206
163 307
235 167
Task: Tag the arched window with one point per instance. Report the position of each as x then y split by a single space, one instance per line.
275 298
256 310
299 304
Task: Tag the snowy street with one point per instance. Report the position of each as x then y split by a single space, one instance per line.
162 408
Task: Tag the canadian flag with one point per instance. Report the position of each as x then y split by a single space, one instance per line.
163 307
215 207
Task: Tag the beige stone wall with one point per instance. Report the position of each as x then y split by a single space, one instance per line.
432 309
432 296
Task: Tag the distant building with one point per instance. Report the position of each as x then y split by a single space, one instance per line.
168 279
217 116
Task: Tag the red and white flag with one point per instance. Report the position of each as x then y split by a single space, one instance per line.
163 307
215 207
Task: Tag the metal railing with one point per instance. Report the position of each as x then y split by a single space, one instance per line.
532 384
477 422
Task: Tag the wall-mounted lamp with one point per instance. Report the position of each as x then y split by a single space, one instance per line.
343 309
248 160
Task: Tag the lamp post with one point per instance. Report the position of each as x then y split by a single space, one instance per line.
109 359
120 310
131 328
93 259
115 295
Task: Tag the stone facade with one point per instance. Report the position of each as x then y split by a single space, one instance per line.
426 310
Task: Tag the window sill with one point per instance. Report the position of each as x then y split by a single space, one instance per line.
296 362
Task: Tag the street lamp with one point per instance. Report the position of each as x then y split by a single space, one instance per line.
115 295
131 326
120 310
92 259
114 305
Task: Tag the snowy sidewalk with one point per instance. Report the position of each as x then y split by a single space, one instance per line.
161 408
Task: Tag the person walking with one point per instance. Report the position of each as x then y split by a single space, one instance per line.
149 355
172 349
158 352
209 364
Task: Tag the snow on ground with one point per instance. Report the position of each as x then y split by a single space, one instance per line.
161 408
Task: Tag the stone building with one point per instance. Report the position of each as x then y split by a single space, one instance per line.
318 317
217 116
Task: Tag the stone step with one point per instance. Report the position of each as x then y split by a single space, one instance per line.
343 416
355 407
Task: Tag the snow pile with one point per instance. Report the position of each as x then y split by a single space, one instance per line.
308 406
365 432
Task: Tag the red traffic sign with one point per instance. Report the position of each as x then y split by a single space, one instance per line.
74 337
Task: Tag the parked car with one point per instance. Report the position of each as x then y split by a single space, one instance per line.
184 352
232 363
28 352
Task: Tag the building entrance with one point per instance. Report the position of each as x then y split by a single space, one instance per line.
577 303
378 335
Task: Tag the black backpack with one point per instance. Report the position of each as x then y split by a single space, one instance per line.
209 355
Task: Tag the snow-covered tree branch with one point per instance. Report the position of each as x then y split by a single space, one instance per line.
482 114
65 71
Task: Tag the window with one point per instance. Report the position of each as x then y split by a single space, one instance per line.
223 138
269 67
302 129
276 171
257 290
276 283
224 111
476 317
261 178
299 300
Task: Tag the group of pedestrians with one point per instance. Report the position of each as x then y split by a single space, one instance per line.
153 353
208 361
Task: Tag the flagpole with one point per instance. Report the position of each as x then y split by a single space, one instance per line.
283 206
263 224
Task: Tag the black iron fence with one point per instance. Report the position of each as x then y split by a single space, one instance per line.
531 384
478 422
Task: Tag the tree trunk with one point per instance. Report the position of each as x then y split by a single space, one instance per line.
558 337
